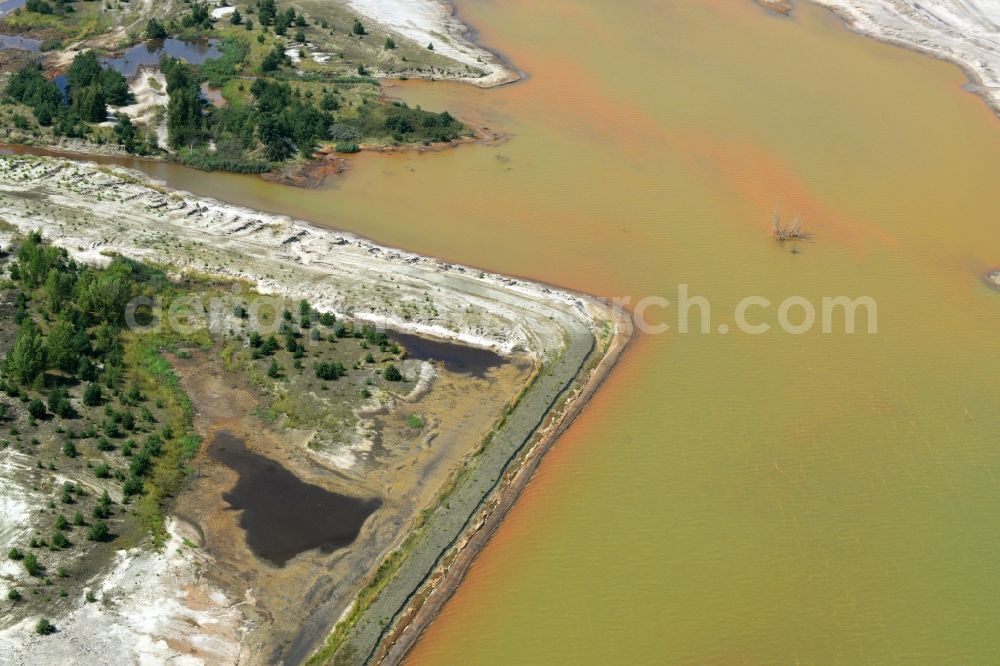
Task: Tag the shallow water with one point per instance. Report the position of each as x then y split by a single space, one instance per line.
726 498
148 54
17 42
282 515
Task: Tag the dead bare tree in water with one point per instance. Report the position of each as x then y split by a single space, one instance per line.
783 233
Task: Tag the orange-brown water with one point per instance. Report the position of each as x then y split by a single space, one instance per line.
726 499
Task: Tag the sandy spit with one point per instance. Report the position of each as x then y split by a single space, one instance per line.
966 32
95 212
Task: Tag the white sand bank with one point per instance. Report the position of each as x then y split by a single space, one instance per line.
966 32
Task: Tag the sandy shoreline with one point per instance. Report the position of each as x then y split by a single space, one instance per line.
93 211
966 33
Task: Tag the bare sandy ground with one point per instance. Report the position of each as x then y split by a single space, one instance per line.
434 22
151 608
966 32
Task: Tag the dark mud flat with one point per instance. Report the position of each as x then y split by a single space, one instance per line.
282 515
455 358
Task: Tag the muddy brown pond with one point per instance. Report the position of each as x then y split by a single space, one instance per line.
282 515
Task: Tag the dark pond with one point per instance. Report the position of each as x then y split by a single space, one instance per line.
283 515
454 357
23 43
149 53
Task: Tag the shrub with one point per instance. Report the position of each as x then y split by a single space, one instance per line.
99 531
347 147
36 408
131 487
392 373
31 565
44 627
93 395
15 554
13 595
330 370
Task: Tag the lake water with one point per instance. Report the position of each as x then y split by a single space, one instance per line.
726 499
282 515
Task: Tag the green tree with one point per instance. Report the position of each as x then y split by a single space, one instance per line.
59 404
38 6
27 360
115 87
93 395
330 370
36 408
59 540
85 70
274 371
392 373
90 103
274 59
31 565
126 133
358 28
58 287
236 18
44 627
155 30
105 294
267 11
99 531
64 346
184 118
390 43
199 17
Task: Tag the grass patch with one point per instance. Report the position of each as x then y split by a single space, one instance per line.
155 377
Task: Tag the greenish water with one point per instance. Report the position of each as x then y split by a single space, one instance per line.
734 499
